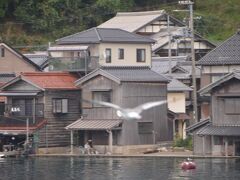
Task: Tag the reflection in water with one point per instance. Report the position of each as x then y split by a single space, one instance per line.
91 168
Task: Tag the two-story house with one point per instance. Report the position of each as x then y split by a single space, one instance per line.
48 101
220 133
155 25
127 87
85 51
220 61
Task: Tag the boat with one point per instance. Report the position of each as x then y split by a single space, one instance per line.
9 151
188 164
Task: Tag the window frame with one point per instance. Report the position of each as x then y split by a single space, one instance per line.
64 103
143 129
108 58
140 55
231 106
101 93
120 53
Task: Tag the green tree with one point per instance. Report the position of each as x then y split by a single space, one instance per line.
3 7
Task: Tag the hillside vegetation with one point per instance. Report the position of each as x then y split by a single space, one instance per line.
33 23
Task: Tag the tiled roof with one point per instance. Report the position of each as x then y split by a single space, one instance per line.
144 74
132 21
207 89
51 80
95 124
126 74
220 130
226 53
38 59
5 77
97 35
161 64
176 85
198 125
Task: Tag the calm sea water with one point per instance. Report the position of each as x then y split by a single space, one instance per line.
91 168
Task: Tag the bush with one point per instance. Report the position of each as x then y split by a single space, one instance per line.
186 143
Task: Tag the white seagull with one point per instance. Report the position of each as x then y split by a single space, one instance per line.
131 113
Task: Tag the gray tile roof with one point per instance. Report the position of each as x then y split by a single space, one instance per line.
161 64
201 123
98 35
38 59
207 89
5 77
94 124
140 74
220 130
226 53
125 74
176 86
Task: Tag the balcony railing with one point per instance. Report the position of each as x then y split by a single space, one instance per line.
16 114
73 63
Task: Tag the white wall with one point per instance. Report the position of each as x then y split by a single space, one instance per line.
176 102
130 57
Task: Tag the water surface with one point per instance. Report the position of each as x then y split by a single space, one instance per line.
100 168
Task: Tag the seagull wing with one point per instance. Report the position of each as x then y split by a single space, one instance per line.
148 105
107 104
103 103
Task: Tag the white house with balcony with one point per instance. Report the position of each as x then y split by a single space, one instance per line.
87 50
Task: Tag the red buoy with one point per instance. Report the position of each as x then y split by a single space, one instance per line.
188 164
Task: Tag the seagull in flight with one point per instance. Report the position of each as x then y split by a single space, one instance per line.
131 113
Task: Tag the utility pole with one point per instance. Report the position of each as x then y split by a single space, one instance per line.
194 84
169 47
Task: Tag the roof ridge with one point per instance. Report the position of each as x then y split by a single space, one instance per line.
140 13
45 73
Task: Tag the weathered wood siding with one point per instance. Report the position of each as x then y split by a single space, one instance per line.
219 96
100 83
135 94
55 134
129 95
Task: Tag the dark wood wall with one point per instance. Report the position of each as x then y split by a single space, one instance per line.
228 90
129 95
54 133
139 93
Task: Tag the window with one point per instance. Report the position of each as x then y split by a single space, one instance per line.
218 140
60 105
232 105
108 55
2 52
101 96
22 107
120 53
145 127
141 55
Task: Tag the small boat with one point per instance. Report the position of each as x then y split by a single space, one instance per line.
188 164
9 151
2 156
